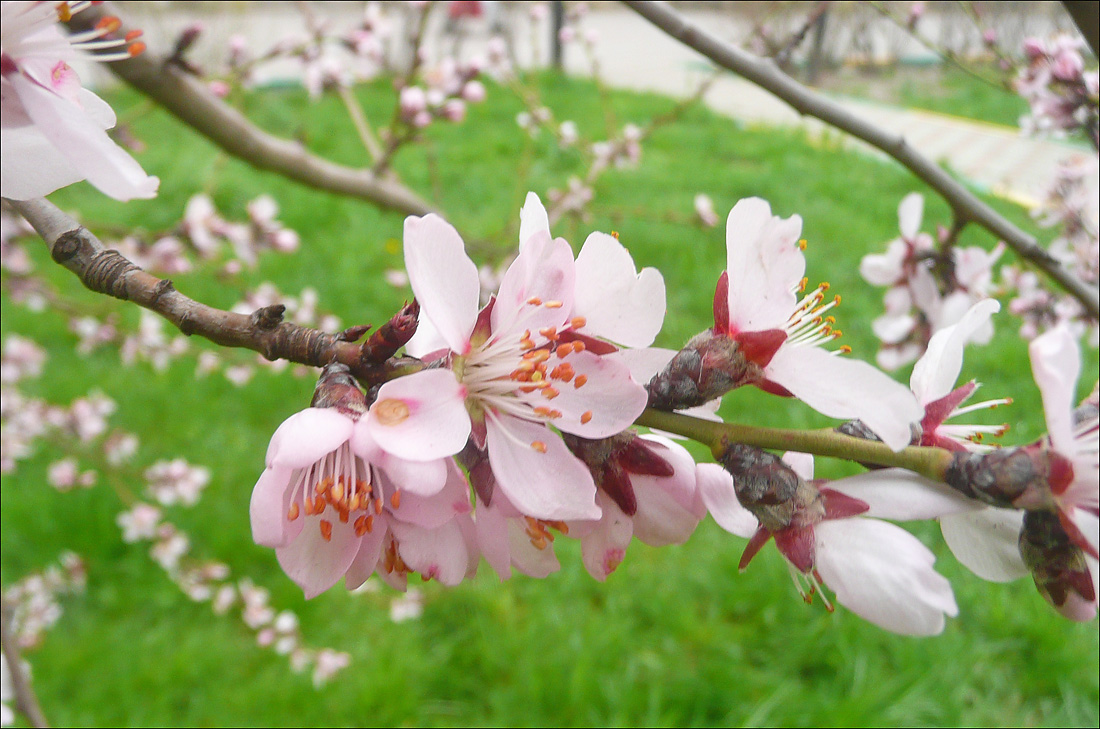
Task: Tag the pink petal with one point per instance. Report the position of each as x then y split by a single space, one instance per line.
884 269
420 417
526 557
492 538
1077 608
366 559
910 212
617 302
894 493
986 541
548 483
416 477
269 507
800 463
443 278
847 388
764 264
883 574
84 143
306 436
935 373
439 553
315 563
606 403
543 271
647 362
1056 362
668 510
532 219
432 511
716 488
603 549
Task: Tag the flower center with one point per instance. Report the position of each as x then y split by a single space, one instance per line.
340 481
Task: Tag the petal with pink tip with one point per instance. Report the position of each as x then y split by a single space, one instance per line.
316 563
910 213
307 436
439 553
987 541
443 278
883 574
894 493
764 264
544 272
537 472
847 388
716 489
420 417
605 402
1056 362
269 506
532 219
617 302
935 373
83 142
604 548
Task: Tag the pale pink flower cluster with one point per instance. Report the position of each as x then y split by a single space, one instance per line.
1072 207
21 358
176 482
65 475
53 129
704 208
447 89
33 600
923 293
207 231
150 343
1062 94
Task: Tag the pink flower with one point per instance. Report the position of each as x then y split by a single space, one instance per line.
780 337
329 499
877 570
53 130
523 362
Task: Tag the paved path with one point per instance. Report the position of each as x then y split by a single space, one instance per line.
633 54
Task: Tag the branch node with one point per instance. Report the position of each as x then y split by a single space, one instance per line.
67 245
164 286
268 317
186 324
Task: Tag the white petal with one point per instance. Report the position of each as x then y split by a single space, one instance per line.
1056 362
716 488
800 463
443 278
883 574
847 388
306 436
910 212
532 219
619 303
544 270
894 493
764 264
607 403
987 542
935 373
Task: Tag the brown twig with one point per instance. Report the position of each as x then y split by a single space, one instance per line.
26 703
109 272
188 99
964 204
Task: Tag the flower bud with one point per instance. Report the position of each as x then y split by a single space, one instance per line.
413 101
1058 566
338 389
473 92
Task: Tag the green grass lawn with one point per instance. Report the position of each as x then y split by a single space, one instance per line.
675 637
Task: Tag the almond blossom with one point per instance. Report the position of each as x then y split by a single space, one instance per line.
878 570
509 371
764 335
328 498
53 129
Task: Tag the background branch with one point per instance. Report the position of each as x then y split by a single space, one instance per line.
965 205
26 703
188 99
108 272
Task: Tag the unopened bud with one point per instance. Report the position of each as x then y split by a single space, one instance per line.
1058 566
391 336
338 389
709 366
1020 478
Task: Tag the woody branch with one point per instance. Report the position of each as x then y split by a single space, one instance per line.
966 207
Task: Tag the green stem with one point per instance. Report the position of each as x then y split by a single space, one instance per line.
929 462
